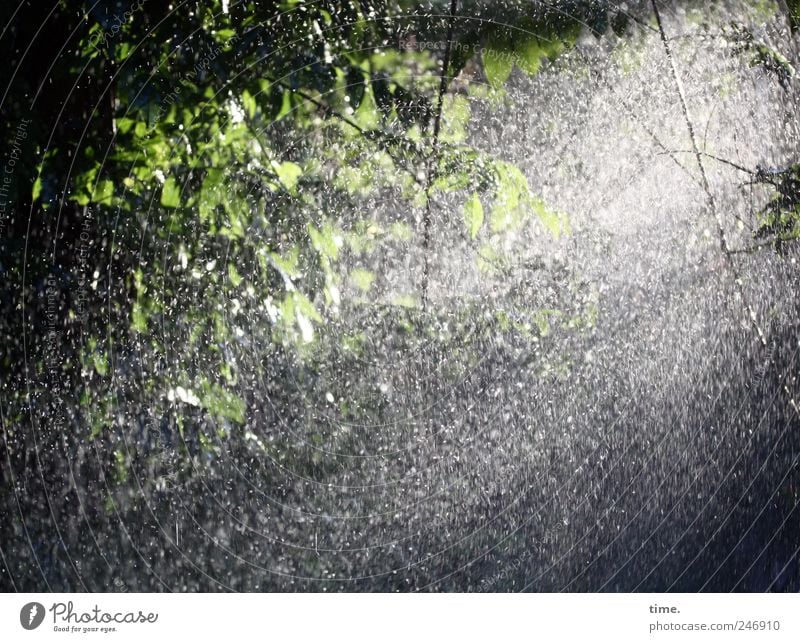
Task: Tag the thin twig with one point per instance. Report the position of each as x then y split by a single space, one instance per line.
426 221
741 168
348 121
723 241
633 115
755 247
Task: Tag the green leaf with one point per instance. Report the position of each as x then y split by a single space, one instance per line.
287 265
497 66
249 104
37 188
366 116
455 118
233 275
512 188
529 55
170 193
541 39
473 215
324 241
400 231
211 194
555 222
288 174
297 309
104 192
405 301
224 35
124 125
302 304
123 50
498 57
100 363
221 403
514 202
362 278
83 185
138 318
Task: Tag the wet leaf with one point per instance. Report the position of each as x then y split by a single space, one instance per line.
473 215
170 193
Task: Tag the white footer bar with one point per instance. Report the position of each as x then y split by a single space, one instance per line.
386 618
